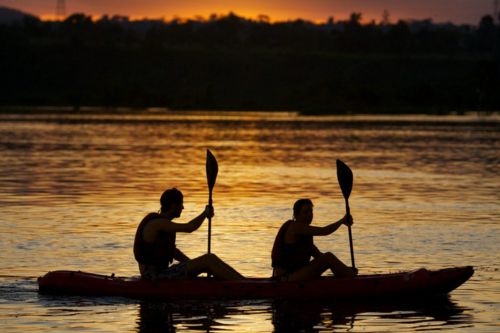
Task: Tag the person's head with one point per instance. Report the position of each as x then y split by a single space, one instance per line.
172 200
303 211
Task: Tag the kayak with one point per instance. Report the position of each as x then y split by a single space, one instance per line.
411 284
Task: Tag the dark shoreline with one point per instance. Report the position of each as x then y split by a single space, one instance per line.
161 111
230 63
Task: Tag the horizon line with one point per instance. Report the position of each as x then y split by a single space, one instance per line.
260 18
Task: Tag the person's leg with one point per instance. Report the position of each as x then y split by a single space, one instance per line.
337 267
319 265
314 269
210 263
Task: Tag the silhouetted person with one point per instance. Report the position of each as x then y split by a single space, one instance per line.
294 247
155 249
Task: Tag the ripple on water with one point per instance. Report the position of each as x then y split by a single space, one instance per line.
74 189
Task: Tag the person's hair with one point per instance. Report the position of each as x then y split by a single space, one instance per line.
170 197
299 204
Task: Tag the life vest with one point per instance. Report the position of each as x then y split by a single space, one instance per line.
158 253
291 256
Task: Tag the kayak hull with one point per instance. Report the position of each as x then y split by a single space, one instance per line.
415 284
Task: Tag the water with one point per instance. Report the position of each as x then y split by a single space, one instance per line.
74 187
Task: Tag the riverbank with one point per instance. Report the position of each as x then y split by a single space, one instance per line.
96 110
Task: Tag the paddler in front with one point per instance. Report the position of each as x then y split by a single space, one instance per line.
155 248
294 247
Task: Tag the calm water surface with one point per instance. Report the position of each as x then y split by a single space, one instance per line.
73 189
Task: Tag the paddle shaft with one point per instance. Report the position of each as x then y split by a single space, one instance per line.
348 212
209 219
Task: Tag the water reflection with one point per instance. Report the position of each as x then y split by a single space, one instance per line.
301 316
293 316
204 316
74 187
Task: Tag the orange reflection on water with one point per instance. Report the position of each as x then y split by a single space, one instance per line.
74 189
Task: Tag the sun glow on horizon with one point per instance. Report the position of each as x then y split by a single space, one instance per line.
317 11
209 15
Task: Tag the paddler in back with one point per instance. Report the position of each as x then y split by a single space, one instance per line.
155 249
294 247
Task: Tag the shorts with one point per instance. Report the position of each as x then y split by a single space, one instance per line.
176 271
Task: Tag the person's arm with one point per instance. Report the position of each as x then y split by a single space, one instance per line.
315 252
322 231
191 225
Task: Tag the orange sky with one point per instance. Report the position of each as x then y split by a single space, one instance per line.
458 11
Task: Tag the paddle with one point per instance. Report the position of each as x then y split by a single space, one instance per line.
345 178
212 170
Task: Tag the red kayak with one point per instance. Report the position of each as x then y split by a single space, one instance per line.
413 284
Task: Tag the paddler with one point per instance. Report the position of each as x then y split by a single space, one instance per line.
294 247
155 248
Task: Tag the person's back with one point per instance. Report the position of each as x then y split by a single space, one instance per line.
159 253
291 256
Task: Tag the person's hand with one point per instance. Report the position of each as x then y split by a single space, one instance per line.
347 220
209 211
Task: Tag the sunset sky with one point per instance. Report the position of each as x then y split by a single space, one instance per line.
457 11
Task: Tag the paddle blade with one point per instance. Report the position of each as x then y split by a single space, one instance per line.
345 178
212 169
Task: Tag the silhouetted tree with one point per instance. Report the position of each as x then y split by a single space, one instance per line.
235 63
486 33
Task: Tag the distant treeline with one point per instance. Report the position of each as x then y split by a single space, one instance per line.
228 62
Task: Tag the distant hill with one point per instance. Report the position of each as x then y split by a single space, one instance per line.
9 15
